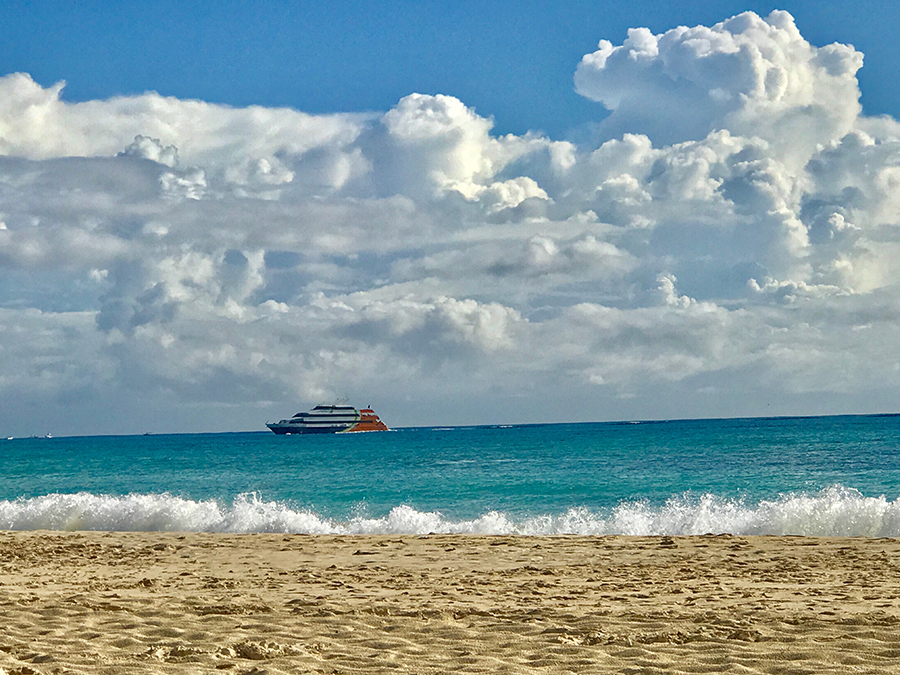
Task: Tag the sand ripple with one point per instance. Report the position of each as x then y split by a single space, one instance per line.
253 604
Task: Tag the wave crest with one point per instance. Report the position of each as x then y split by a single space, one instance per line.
836 511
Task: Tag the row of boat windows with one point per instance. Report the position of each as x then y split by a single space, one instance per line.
326 415
326 422
331 418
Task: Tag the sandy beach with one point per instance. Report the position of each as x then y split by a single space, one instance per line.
95 602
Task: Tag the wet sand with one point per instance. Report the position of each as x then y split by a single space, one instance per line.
211 603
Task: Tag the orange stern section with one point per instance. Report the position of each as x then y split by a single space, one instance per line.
368 421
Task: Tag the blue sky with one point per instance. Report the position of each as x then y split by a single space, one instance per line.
457 212
510 60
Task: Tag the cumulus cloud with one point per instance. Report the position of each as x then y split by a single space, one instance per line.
753 76
152 149
728 241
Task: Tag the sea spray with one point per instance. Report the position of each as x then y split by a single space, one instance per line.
835 511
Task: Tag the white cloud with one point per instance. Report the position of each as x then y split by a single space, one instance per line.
152 149
755 77
734 230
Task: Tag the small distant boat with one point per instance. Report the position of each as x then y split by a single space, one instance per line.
336 418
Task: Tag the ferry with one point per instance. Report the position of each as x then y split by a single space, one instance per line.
336 418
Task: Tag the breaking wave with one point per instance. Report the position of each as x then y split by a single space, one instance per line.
836 511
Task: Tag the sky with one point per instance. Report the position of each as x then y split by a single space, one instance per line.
217 213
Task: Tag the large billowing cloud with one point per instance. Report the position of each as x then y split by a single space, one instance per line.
754 77
727 246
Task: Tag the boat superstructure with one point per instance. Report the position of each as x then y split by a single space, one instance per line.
335 418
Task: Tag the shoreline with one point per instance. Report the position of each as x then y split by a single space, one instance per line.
172 602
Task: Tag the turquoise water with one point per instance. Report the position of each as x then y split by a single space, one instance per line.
825 475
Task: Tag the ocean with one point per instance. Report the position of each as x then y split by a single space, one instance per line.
782 476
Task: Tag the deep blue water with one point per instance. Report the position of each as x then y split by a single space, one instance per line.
823 475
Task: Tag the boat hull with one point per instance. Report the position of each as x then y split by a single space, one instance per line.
283 430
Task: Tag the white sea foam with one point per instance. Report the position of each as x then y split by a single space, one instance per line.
837 511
